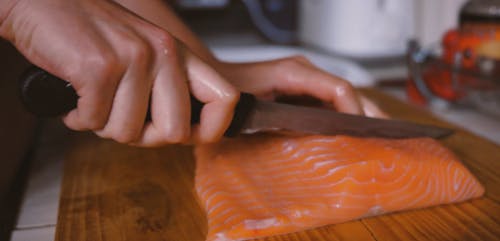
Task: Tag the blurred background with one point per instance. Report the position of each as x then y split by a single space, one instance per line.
442 55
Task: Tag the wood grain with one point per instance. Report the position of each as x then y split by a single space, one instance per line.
114 192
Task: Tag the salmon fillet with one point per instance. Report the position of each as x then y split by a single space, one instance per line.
264 185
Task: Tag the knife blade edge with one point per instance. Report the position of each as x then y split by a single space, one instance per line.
278 117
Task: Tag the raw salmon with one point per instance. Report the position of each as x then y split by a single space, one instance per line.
258 186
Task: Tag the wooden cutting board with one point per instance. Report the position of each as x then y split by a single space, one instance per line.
113 192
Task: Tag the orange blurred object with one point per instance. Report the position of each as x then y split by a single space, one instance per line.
468 54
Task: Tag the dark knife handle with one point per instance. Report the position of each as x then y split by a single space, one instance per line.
46 95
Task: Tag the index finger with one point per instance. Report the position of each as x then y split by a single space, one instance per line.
219 96
299 78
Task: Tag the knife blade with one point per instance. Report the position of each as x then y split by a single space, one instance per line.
47 95
277 117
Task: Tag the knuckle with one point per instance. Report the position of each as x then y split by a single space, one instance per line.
103 61
95 124
71 124
139 50
231 96
286 67
87 118
125 135
163 43
165 39
288 63
103 134
346 85
122 132
344 88
300 59
103 64
175 135
94 120
124 138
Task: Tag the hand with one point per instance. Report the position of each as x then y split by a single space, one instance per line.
118 63
297 76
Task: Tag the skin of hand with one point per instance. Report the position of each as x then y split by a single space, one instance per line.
117 60
296 75
119 63
293 75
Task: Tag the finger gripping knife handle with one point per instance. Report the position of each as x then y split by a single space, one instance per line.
46 95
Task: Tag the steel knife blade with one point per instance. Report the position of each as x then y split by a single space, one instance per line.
46 95
278 117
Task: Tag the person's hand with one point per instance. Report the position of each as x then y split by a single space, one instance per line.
118 63
289 76
298 76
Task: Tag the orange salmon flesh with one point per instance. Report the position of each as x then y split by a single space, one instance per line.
258 186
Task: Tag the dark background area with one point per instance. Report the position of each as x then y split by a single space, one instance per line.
17 132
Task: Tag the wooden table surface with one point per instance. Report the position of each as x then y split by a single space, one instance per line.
114 192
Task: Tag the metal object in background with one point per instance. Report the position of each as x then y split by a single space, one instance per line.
201 4
465 69
276 19
480 11
438 83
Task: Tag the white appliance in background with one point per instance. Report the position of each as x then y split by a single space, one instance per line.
358 28
434 18
375 28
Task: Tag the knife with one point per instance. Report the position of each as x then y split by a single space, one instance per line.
46 95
